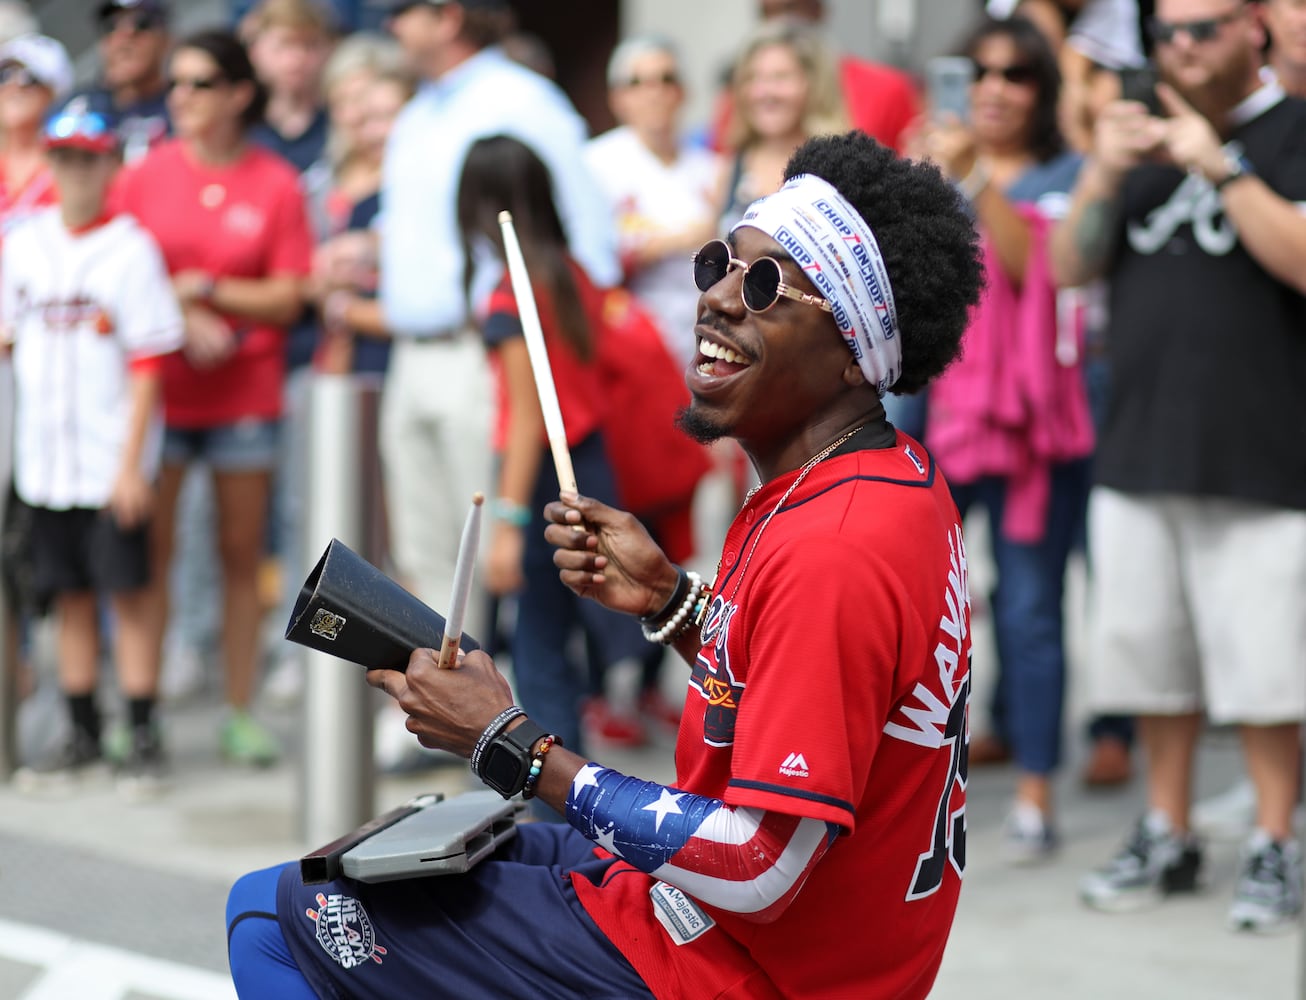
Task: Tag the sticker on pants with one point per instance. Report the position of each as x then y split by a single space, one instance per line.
680 915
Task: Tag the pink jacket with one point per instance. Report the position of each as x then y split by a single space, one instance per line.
1009 406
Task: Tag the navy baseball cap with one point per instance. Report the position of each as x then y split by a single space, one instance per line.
402 6
155 10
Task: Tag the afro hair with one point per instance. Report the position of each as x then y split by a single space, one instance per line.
929 244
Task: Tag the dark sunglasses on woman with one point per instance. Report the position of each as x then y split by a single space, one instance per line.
18 75
1017 74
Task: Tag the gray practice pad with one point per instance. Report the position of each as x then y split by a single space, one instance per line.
445 838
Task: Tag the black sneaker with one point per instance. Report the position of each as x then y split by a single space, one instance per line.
1155 862
77 764
1268 894
142 774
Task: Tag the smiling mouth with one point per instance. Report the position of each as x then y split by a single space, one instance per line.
719 362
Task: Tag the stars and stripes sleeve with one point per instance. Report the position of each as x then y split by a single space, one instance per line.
751 862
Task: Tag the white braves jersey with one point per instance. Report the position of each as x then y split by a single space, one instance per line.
78 308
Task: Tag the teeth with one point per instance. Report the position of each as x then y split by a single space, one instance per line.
711 350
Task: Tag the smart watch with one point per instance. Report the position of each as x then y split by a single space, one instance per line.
507 760
1238 166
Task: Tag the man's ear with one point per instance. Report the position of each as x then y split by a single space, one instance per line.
853 374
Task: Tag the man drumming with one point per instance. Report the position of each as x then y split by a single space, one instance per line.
814 841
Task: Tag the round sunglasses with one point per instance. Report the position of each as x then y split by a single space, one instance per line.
763 284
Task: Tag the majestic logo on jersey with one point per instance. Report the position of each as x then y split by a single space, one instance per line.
712 677
681 917
1193 202
344 930
795 766
933 716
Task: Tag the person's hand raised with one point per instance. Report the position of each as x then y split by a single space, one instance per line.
605 554
947 142
1191 141
1125 135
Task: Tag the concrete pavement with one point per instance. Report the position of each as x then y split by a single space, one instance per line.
102 900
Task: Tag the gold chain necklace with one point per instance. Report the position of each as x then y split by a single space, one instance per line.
812 463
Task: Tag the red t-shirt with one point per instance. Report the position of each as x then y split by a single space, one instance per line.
834 685
577 383
242 220
20 204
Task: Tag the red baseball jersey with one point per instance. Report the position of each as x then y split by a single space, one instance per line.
578 383
242 220
833 683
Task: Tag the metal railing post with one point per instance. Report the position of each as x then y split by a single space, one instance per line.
8 624
338 774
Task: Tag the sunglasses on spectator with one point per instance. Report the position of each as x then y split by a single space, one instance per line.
195 83
1018 74
763 284
1202 30
667 79
133 22
18 75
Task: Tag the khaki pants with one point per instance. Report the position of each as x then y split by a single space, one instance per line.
435 449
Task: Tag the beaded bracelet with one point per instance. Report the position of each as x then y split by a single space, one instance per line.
661 616
491 731
682 619
537 765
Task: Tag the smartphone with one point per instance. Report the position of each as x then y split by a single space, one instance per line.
1138 83
947 86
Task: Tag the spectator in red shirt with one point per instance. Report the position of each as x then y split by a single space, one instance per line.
34 73
230 220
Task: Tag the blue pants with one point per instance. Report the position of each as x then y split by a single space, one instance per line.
511 928
551 618
1027 616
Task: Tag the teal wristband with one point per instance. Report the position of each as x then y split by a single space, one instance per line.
516 514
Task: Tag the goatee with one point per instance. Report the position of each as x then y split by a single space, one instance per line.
699 427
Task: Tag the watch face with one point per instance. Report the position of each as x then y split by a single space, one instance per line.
502 767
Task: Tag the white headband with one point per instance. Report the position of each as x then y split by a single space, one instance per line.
837 251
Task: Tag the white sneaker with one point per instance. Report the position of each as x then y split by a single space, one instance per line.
183 674
396 751
1027 835
1268 895
1229 815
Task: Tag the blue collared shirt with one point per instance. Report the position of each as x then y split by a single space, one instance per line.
421 257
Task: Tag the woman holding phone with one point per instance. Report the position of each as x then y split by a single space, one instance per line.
1009 422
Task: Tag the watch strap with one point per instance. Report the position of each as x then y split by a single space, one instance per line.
518 744
1239 166
523 737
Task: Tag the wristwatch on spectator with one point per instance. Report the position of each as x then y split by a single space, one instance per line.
1236 166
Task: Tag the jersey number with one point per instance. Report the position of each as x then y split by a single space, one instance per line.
949 843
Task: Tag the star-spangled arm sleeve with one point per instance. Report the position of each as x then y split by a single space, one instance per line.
751 862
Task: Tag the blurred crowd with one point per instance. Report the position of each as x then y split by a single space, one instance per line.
221 218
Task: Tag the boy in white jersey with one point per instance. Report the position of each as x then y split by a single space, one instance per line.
87 309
